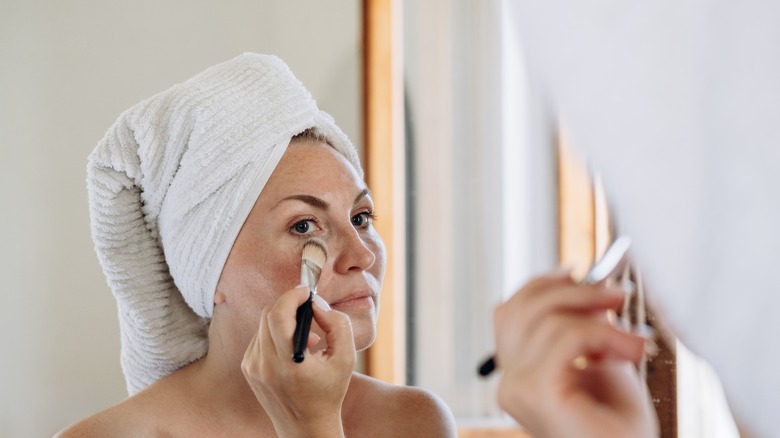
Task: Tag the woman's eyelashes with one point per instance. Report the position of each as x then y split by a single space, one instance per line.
304 227
308 226
363 219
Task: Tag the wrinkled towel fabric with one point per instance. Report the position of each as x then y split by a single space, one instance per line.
170 185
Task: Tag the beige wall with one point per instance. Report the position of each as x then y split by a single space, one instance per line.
67 69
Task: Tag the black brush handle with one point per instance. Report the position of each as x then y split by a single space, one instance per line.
487 366
302 326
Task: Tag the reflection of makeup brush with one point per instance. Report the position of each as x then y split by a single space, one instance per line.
313 259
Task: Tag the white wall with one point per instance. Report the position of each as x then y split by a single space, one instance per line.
67 69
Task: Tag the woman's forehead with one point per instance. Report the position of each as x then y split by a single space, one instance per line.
313 168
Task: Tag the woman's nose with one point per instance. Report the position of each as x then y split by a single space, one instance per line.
351 252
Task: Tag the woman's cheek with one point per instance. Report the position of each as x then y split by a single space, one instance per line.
377 246
272 278
286 275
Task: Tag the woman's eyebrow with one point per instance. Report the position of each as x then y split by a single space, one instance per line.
319 203
365 192
307 199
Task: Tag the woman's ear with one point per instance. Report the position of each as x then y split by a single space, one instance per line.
219 298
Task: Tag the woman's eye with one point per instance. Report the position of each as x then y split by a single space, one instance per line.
304 227
363 219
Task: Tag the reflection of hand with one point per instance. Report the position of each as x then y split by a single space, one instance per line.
567 371
302 399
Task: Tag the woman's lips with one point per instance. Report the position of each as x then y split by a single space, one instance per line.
355 301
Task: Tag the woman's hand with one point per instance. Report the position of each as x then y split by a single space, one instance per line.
567 371
302 399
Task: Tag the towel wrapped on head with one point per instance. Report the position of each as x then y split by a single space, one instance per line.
170 185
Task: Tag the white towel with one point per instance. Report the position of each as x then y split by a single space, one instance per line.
170 185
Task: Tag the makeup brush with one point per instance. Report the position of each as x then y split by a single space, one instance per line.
312 260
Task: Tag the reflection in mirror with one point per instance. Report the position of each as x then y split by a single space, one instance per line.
484 208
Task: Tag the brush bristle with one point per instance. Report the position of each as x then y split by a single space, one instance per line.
315 251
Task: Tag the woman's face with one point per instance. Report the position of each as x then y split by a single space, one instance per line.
313 192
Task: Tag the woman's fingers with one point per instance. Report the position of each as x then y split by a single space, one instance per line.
562 356
566 338
313 389
281 320
278 324
338 334
313 340
562 296
552 308
544 282
518 319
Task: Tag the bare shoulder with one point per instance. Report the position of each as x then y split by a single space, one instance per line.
148 413
401 410
125 419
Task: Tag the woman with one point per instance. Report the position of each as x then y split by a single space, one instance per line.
201 200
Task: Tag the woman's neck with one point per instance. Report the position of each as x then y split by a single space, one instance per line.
218 381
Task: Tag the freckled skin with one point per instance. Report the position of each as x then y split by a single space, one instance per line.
265 259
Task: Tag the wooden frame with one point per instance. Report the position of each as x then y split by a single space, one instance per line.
384 162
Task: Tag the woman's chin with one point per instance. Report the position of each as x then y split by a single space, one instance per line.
364 341
363 331
363 327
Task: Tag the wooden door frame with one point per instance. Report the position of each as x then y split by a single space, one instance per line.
385 175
